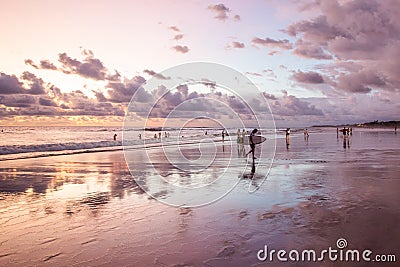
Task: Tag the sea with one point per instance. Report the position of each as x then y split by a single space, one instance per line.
39 141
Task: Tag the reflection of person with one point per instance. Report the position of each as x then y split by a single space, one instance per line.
252 144
115 137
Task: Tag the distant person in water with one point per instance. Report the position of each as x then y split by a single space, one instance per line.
238 136
115 137
395 129
252 144
287 137
223 135
306 135
140 136
205 133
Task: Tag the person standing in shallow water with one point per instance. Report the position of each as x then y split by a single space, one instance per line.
115 137
252 144
287 138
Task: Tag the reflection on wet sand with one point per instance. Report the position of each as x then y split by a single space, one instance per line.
88 210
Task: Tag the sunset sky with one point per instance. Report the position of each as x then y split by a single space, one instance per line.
80 62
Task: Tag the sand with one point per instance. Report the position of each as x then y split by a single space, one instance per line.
87 210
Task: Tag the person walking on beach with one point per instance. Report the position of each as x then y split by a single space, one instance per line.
252 144
115 137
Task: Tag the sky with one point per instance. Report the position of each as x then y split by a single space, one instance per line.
314 61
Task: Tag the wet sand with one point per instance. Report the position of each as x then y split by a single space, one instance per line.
87 210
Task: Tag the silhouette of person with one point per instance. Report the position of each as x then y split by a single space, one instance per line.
306 135
115 137
252 144
287 138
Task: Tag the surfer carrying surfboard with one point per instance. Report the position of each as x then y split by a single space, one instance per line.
252 143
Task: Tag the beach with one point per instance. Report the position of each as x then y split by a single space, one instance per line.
87 209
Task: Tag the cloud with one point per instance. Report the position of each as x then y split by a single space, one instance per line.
47 102
46 64
174 28
10 84
283 44
90 67
122 92
178 37
237 44
181 49
156 75
308 77
310 50
363 33
220 10
237 18
254 74
289 105
17 100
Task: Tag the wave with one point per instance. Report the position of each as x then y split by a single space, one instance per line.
17 149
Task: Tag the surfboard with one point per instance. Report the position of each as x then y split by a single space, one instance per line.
257 139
